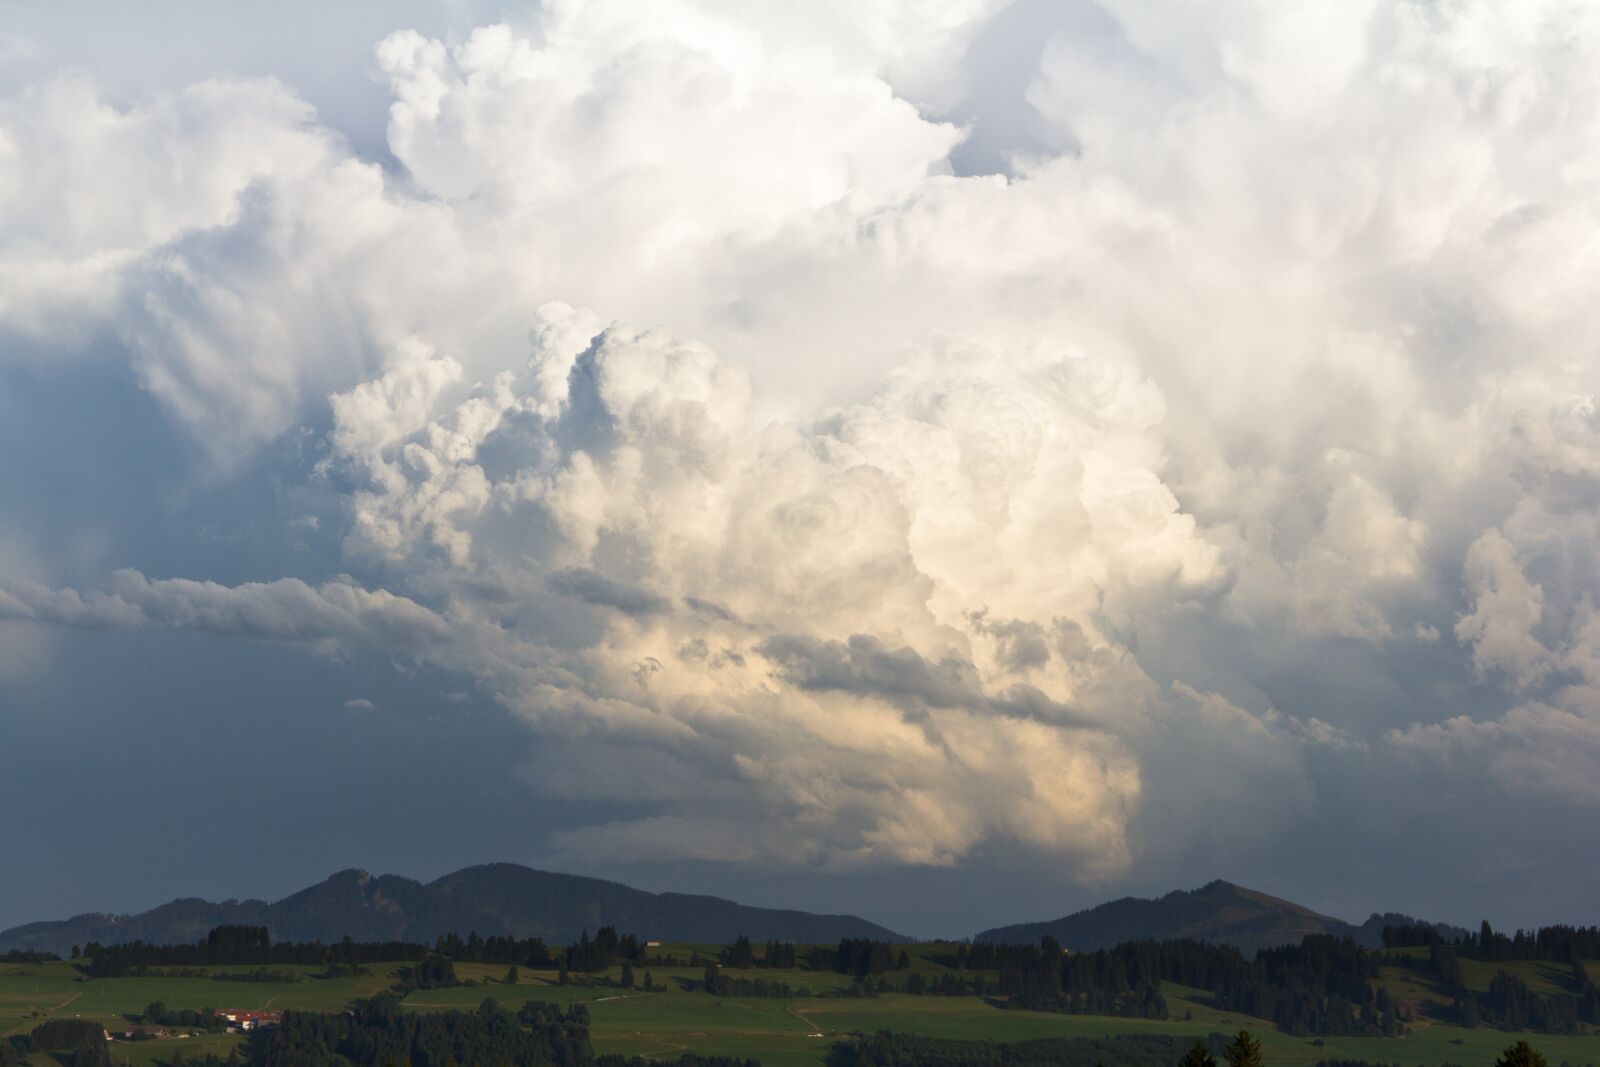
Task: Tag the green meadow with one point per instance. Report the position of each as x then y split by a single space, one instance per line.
777 1031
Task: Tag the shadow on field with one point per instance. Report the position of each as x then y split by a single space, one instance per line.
842 1053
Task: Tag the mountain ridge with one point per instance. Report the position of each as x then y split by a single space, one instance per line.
1219 911
504 899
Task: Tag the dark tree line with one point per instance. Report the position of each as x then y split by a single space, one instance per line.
512 951
251 946
240 945
719 984
1043 978
1558 944
1412 935
606 949
778 954
994 957
431 972
158 1014
82 1039
886 1049
859 957
1509 1002
950 985
1321 986
1554 944
774 954
377 1032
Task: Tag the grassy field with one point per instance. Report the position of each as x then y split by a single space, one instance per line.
779 1032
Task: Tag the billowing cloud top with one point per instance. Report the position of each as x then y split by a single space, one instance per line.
836 506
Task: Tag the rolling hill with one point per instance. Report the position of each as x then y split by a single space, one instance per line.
499 898
1220 912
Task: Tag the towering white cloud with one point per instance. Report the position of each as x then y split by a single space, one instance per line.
673 386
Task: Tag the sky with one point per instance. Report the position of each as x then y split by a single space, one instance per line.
954 462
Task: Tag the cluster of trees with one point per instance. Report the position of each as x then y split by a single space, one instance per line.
1044 978
1556 944
860 957
432 972
158 1014
1411 935
377 1032
259 974
886 1049
239 945
719 984
775 954
606 949
523 952
1510 1003
26 955
83 1040
778 954
1035 993
252 945
949 985
986 956
1321 986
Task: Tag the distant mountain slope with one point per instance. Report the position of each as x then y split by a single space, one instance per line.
1220 912
499 898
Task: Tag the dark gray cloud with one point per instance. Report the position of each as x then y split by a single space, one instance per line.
284 610
865 666
590 587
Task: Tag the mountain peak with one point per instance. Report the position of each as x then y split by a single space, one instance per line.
503 899
1219 911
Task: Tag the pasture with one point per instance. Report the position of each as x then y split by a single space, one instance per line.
778 1031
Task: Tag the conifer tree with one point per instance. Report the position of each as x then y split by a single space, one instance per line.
1243 1051
1198 1056
1521 1054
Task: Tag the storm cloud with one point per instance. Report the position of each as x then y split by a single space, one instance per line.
1228 450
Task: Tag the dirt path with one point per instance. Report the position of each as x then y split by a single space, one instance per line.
664 1051
25 1027
816 1031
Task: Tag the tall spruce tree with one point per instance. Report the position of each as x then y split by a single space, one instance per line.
1244 1051
1198 1056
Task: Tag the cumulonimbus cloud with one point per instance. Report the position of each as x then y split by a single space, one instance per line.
860 498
